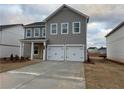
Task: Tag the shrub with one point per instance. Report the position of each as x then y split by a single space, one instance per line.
27 58
4 58
22 58
11 57
16 57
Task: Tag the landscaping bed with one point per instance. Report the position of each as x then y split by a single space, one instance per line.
101 73
12 63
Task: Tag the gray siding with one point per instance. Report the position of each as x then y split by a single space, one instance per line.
27 49
65 15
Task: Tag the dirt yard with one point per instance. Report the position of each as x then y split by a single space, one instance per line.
104 74
14 65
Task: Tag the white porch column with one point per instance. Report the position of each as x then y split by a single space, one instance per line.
32 50
23 49
44 51
20 50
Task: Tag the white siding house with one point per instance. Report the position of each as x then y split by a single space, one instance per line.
115 43
9 39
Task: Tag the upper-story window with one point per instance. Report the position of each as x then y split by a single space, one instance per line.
28 33
76 27
53 28
43 33
36 32
64 28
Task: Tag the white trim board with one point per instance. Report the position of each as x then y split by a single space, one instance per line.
55 45
66 45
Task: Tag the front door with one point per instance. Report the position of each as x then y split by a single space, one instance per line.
38 51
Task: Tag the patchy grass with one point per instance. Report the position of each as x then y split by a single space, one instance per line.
14 65
104 74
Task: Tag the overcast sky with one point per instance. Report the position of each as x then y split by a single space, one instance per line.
103 18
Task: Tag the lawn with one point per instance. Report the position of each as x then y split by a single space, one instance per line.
104 74
14 65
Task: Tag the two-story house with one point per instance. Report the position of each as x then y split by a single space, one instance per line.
61 36
9 39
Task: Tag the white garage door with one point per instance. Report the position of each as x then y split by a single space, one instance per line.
67 53
55 53
74 53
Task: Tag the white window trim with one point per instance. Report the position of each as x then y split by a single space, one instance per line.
38 32
67 28
73 28
56 29
45 32
30 32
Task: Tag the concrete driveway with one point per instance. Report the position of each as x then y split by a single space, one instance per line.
45 75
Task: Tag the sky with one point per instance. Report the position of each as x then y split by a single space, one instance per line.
103 17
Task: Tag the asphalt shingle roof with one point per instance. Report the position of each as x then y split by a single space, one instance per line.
7 26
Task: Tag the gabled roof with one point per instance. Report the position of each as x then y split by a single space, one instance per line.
35 24
9 25
115 29
72 9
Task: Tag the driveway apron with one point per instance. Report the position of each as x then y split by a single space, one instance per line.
45 75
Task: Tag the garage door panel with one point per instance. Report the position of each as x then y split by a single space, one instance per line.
55 53
69 53
74 54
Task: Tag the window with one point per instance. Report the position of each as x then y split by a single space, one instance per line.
43 32
53 29
28 33
64 28
76 27
36 32
36 48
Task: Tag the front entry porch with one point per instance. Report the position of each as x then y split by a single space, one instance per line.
35 49
38 51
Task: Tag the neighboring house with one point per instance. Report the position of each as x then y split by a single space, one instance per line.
115 43
9 39
102 51
61 36
93 51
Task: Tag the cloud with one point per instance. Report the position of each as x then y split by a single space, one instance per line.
24 13
111 14
96 34
103 17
